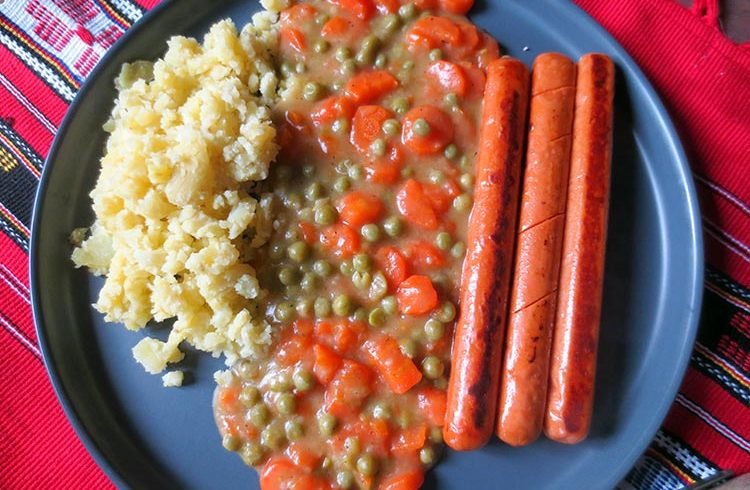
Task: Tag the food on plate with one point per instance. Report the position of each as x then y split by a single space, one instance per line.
573 362
485 282
541 221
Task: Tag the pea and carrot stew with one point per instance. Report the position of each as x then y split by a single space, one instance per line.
374 188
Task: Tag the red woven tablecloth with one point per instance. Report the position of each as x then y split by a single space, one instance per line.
47 47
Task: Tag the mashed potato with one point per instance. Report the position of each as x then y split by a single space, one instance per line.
190 134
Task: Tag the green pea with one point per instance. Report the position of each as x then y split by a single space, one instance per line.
404 419
443 240
313 191
249 396
432 367
377 147
466 181
451 151
435 55
247 369
436 435
286 69
377 317
400 105
342 305
344 479
362 262
378 286
298 251
389 305
434 329
276 251
342 184
408 65
393 226
291 233
370 232
272 436
342 167
300 68
340 126
346 267
407 11
462 202
304 307
391 22
408 347
356 172
322 307
381 411
450 99
361 280
231 443
391 127
336 85
303 379
367 50
349 67
321 46
251 453
308 170
359 315
441 383
327 463
326 215
321 18
312 91
343 53
259 415
352 445
287 276
322 268
282 382
446 313
436 176
427 455
285 312
464 162
366 465
407 172
326 423
294 201
286 404
421 127
306 214
293 429
309 282
458 250
380 61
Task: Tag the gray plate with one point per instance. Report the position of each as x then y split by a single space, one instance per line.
145 436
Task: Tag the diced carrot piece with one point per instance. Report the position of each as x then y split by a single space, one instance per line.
470 37
398 370
433 32
423 5
393 264
448 76
386 169
302 456
440 130
340 240
302 327
441 195
280 473
348 389
308 232
293 349
361 9
326 364
409 440
297 13
475 80
358 208
228 397
387 6
293 37
328 145
416 295
415 207
342 335
367 126
332 108
410 480
335 27
368 86
458 7
424 255
431 402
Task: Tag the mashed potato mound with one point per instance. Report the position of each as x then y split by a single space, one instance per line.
190 134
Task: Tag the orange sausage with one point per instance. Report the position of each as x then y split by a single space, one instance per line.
523 379
478 338
574 344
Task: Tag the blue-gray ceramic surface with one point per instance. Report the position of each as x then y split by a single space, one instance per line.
145 436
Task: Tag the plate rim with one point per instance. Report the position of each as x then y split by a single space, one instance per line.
573 11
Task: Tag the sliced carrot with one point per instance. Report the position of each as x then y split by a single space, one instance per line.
440 130
424 255
303 327
475 79
341 335
409 480
458 7
359 208
447 76
348 389
335 27
470 37
299 12
398 370
228 397
367 126
393 264
280 473
423 5
302 456
326 364
293 349
308 232
441 195
361 9
293 37
409 440
368 86
431 401
340 240
415 207
386 169
416 295
332 108
375 435
433 32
